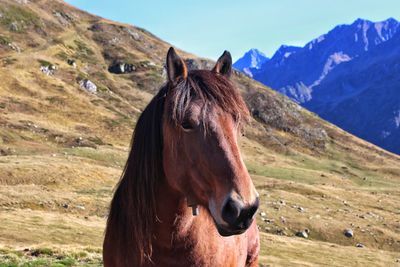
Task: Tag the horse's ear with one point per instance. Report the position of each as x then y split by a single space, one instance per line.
224 64
176 67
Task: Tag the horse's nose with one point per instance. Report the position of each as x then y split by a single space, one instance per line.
237 215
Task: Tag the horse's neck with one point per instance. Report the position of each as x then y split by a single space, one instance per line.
174 216
182 239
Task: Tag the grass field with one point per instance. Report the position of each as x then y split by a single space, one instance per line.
62 151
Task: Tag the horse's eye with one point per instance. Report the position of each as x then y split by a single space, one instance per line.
187 125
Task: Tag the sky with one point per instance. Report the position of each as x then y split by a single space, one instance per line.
208 27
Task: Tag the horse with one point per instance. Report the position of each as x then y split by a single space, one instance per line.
185 197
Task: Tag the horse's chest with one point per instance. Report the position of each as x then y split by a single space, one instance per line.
204 247
220 251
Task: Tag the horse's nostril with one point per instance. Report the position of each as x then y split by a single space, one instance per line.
254 207
231 211
237 216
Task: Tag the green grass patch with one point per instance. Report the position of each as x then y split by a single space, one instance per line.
82 76
4 40
84 52
45 63
8 61
62 55
51 258
284 173
21 17
108 158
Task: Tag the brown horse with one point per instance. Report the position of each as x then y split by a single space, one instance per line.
185 153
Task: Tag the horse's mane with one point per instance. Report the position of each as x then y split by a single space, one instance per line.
133 208
212 89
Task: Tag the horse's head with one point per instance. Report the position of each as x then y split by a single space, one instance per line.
203 112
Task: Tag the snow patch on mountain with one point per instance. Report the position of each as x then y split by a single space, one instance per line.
252 59
397 119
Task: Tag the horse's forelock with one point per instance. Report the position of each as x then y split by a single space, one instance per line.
212 89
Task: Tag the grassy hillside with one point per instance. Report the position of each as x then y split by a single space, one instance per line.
62 149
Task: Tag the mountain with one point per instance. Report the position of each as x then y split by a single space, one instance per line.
72 86
369 87
302 69
251 59
339 67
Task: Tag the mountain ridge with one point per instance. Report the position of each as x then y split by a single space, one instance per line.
252 59
305 73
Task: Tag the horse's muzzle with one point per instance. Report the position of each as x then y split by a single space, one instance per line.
237 217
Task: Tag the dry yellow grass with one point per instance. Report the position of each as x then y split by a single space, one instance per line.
62 151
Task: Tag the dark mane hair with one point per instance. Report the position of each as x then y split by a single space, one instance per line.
212 89
133 208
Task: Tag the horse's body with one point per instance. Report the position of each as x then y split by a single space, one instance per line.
173 165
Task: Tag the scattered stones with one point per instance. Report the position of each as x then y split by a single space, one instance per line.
281 232
64 18
121 68
283 219
80 207
48 70
348 233
194 64
114 41
5 152
65 206
135 36
35 253
83 142
359 245
14 27
88 86
303 234
71 62
267 220
263 214
14 47
301 209
148 64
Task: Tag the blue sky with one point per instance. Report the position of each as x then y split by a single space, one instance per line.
208 27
